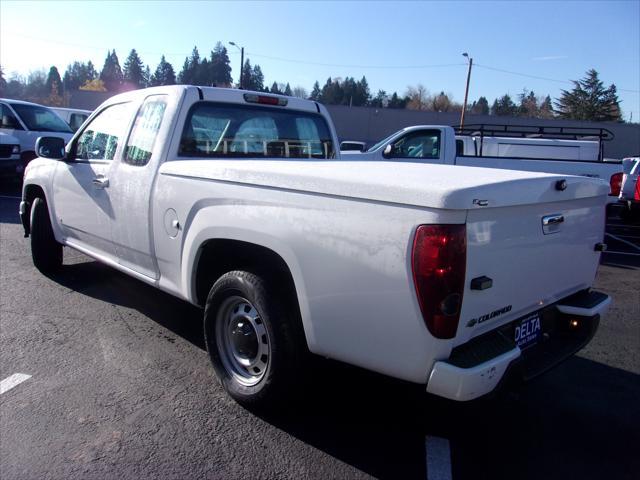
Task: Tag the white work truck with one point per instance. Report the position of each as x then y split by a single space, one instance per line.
238 202
560 150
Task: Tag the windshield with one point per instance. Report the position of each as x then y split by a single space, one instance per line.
382 142
41 119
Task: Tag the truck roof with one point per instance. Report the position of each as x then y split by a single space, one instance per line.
224 95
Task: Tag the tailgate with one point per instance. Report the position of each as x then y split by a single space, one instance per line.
531 265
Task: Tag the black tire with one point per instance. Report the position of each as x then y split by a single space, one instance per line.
46 252
280 318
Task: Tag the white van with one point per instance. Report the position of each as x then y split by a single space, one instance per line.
73 116
27 121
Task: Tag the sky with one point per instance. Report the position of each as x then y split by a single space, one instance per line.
538 45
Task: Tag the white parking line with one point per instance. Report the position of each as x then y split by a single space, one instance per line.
9 196
438 458
13 381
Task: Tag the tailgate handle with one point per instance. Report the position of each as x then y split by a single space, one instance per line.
552 220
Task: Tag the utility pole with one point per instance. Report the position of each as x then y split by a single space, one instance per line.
466 92
241 62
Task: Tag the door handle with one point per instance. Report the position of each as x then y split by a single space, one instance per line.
552 220
100 182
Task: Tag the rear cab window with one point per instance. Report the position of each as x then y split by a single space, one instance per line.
220 130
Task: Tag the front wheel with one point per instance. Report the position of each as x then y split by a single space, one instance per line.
251 340
46 252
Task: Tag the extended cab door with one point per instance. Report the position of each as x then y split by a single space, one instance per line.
81 200
131 184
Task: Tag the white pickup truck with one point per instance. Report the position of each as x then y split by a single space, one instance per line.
238 202
477 147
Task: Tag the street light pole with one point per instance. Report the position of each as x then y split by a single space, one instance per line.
241 61
466 92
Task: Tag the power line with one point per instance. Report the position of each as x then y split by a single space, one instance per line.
542 78
336 65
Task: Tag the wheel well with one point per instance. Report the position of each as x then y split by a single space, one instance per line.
31 193
220 256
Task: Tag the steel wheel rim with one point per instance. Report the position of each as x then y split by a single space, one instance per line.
243 341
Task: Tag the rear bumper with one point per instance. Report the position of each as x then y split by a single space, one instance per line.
481 365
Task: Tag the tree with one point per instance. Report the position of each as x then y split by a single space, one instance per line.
220 66
528 105
504 106
380 100
77 74
332 93
481 107
589 100
252 77
133 73
546 108
164 74
36 88
441 103
190 67
54 82
316 93
95 85
111 74
287 90
3 83
397 102
300 92
417 98
361 95
274 88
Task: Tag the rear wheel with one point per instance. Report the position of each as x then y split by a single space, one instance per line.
46 252
250 337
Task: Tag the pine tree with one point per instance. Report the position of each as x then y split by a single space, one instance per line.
397 102
380 100
274 88
111 74
481 107
54 82
220 66
133 71
504 106
589 100
164 74
316 93
257 78
546 108
189 69
287 90
77 74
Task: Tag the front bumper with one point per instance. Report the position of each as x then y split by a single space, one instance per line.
477 367
11 168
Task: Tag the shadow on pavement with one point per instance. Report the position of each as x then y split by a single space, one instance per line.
579 421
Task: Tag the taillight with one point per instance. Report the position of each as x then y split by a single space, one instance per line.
636 195
439 259
265 99
615 184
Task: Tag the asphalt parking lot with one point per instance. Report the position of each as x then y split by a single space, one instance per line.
119 386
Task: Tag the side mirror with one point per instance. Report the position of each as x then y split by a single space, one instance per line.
50 147
386 153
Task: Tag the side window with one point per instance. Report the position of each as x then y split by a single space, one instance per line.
423 144
145 130
459 148
7 119
76 120
99 140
